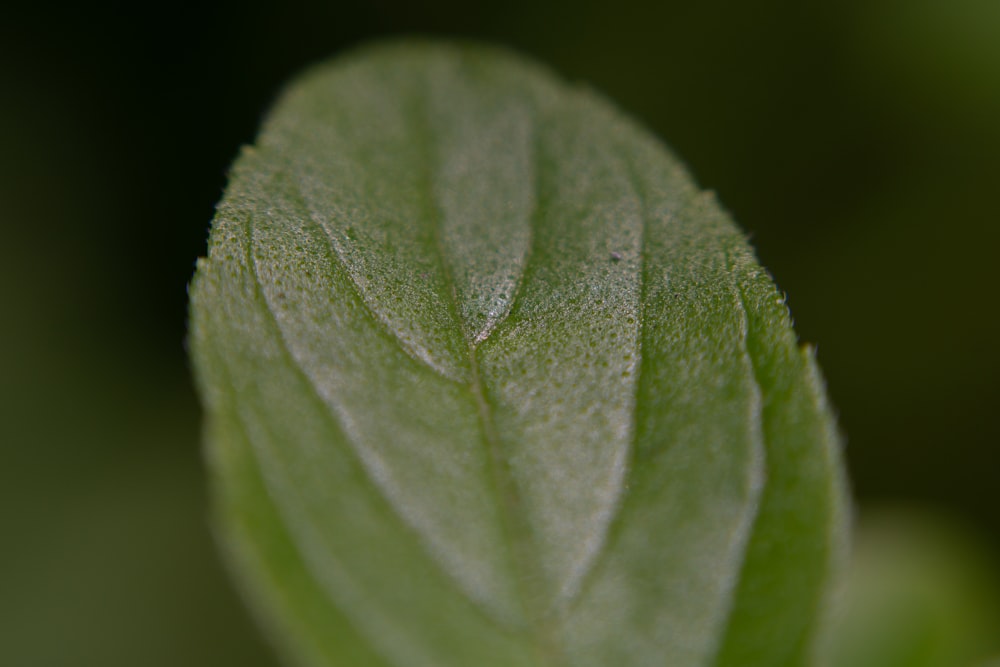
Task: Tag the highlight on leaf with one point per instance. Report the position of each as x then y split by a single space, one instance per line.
490 382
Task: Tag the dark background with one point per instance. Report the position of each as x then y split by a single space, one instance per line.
857 141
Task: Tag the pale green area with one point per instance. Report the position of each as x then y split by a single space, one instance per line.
923 591
490 382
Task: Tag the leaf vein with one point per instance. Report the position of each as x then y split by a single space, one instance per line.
383 323
533 223
240 422
330 414
504 486
753 520
614 525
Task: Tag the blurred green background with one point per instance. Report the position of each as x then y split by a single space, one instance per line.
858 142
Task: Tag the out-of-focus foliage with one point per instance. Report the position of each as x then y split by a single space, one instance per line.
923 592
858 141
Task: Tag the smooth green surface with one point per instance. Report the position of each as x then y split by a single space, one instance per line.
490 382
923 591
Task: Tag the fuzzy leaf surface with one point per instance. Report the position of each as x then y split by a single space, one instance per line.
490 382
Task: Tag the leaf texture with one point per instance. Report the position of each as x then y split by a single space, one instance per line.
490 382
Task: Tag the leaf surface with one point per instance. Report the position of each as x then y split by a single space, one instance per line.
489 381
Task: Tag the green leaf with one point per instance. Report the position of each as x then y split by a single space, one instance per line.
923 591
489 382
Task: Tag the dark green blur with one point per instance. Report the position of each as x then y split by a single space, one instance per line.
858 142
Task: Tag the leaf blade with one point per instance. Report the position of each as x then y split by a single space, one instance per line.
502 319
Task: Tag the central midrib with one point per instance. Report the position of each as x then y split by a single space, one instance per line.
521 545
